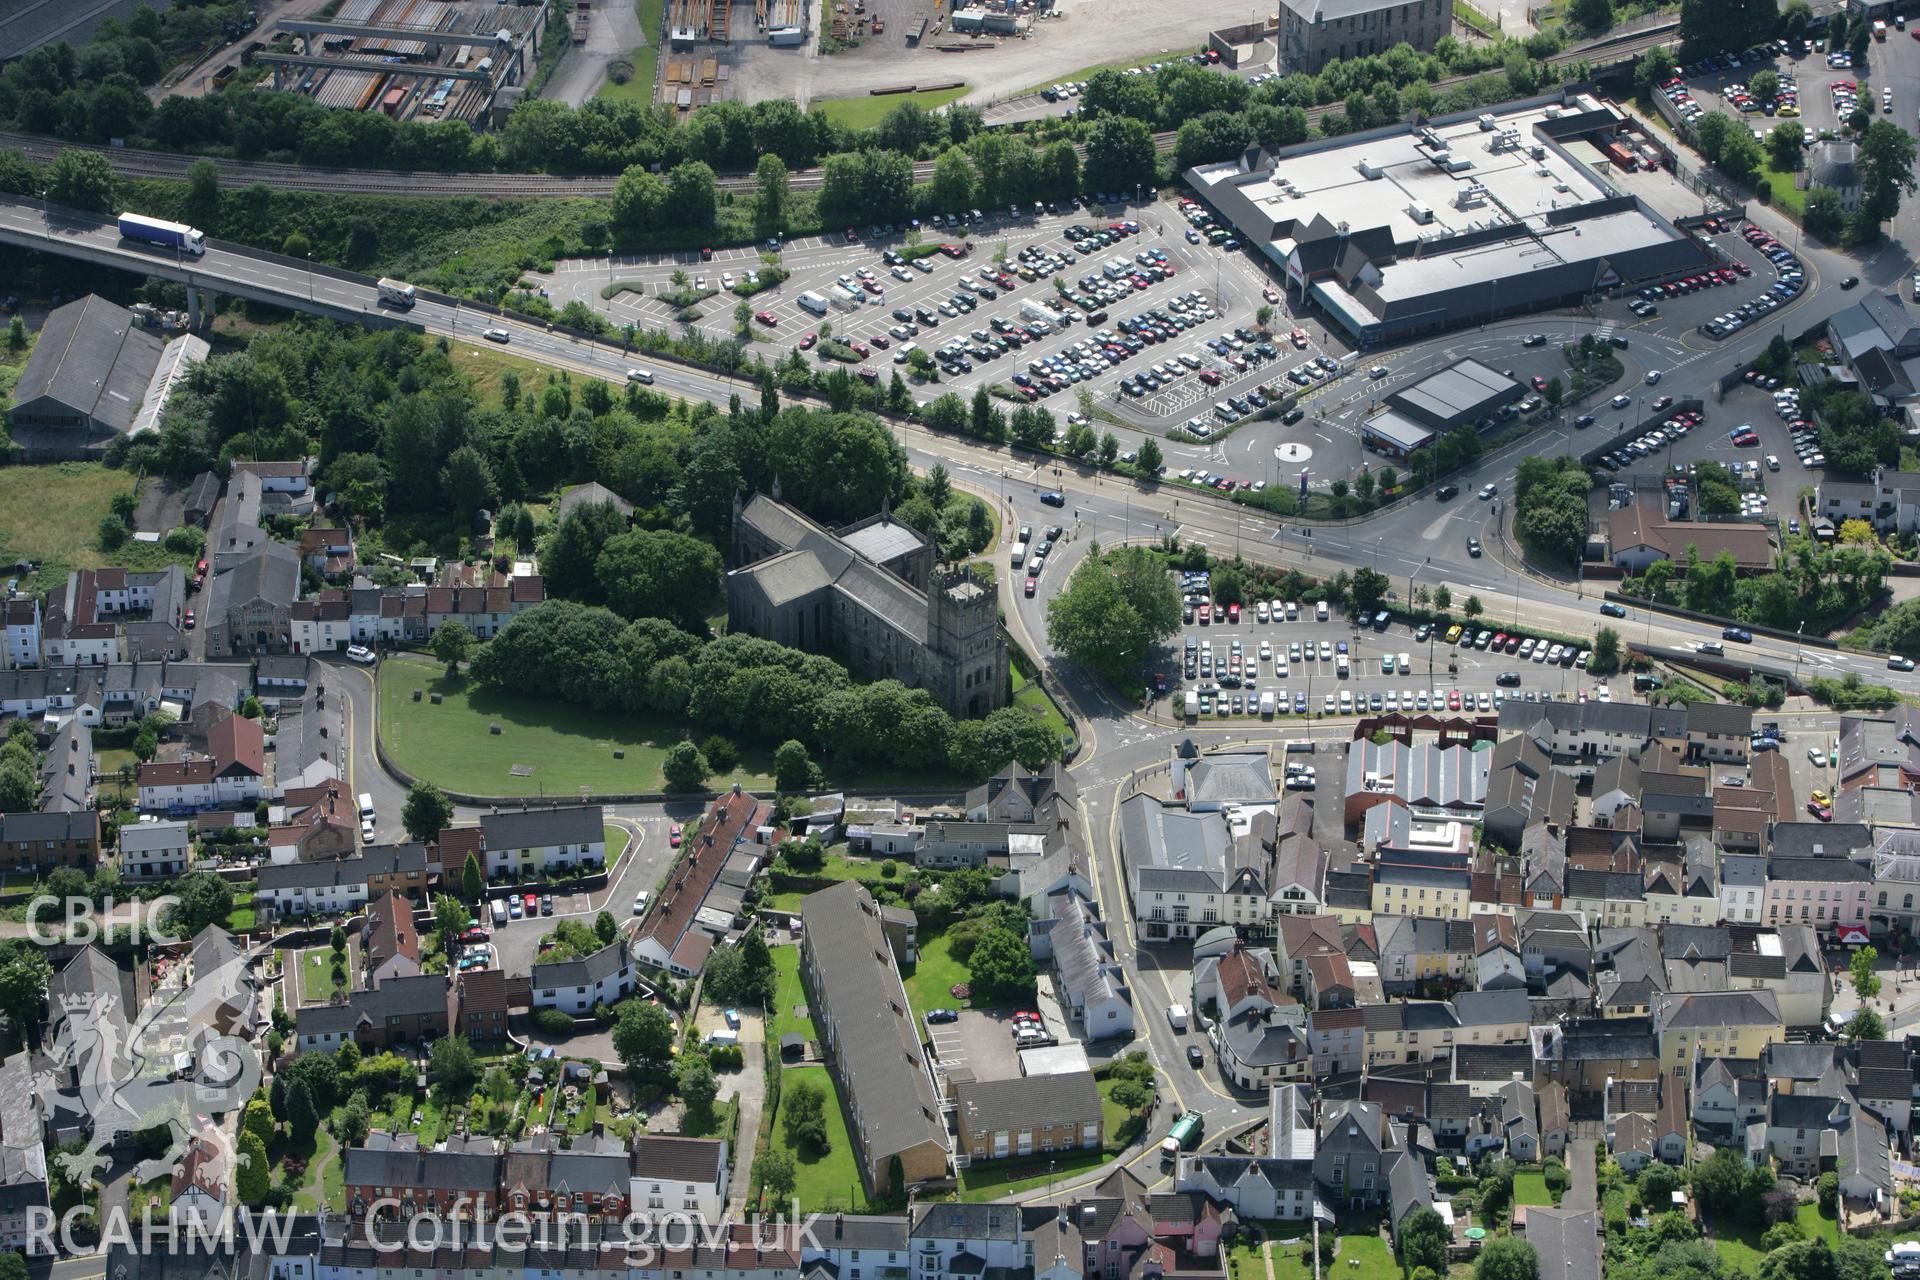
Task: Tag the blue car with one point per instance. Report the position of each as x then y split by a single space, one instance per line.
1054 498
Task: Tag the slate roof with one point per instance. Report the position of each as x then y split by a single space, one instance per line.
876 1042
585 971
669 1156
90 356
1023 1103
538 828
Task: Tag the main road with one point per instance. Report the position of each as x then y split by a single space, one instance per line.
1416 540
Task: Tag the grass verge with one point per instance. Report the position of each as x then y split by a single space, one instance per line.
868 110
566 747
823 1181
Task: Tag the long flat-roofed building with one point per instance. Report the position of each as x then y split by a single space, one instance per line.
1401 231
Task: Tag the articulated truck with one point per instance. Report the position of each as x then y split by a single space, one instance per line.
168 235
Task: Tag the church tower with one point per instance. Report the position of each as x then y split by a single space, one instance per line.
966 650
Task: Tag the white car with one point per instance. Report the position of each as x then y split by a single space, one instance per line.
1378 371
1622 401
1488 490
640 903
1653 376
726 279
359 653
497 335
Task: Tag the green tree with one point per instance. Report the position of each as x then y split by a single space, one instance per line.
792 770
427 812
251 1177
355 1122
473 880
259 1119
803 1117
1866 1024
1001 967
694 1079
1113 610
1866 983
1886 155
82 180
201 206
1606 652
770 194
1508 1258
303 1114
202 900
685 768
1472 608
660 574
642 1034
453 644
453 1066
1594 16
1151 460
1424 1240
775 1168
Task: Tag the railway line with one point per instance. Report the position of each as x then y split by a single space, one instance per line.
141 165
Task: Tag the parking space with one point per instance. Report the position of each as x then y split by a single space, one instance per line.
517 942
1232 658
979 1043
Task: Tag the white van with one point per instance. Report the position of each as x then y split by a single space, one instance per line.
1406 665
1293 611
1019 554
1177 1017
1342 667
498 909
1193 704
1266 704
1320 611
366 806
1346 702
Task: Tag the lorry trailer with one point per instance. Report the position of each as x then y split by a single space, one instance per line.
396 293
169 235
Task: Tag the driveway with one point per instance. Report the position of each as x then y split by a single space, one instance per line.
611 32
1580 1192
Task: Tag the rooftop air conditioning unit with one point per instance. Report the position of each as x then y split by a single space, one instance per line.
1368 168
1420 213
1487 122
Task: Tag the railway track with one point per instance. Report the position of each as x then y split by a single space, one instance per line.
165 165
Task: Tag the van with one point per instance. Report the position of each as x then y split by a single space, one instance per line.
1266 704
1177 1017
723 1037
1293 611
1320 611
1406 666
1193 705
1346 702
498 909
813 302
366 805
1019 554
1342 667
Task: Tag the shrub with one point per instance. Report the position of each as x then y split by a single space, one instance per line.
889 869
552 1022
1764 190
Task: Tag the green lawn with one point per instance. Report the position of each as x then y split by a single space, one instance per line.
1740 1246
1786 197
567 747
1122 1126
325 1181
868 110
823 1182
316 976
992 1179
787 993
930 984
52 514
1530 1187
1370 1249
616 840
1030 697
639 87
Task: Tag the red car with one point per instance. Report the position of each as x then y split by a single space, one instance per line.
1820 811
879 342
766 318
853 237
201 568
1499 640
673 836
1453 700
861 348
475 935
187 621
532 902
806 343
1233 614
1030 585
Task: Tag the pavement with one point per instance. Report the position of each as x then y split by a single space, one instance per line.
612 31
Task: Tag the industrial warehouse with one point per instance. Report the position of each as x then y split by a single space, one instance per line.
1403 231
412 59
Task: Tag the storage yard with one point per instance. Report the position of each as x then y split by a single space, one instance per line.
412 59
